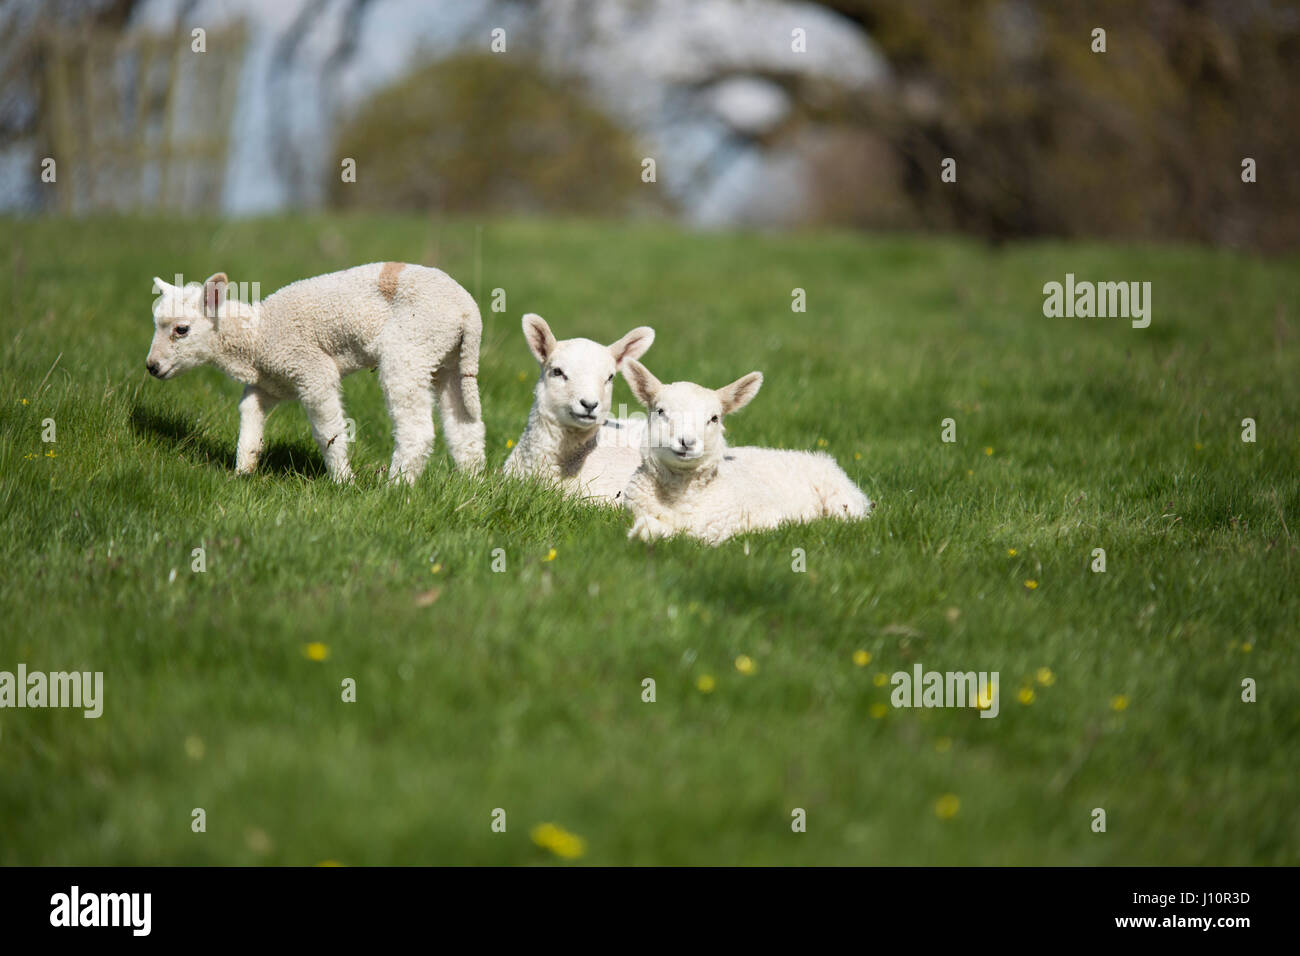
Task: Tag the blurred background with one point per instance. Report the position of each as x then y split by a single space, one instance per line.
1144 141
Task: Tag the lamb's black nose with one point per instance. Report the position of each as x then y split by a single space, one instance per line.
589 406
152 367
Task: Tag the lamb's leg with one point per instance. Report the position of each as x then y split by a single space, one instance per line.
462 431
841 498
323 403
253 409
409 397
648 528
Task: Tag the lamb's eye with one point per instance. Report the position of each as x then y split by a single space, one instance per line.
661 413
557 373
610 379
181 331
713 420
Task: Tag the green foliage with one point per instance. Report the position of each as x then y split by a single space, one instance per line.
522 690
485 132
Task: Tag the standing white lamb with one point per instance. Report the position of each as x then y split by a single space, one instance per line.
570 438
415 325
690 481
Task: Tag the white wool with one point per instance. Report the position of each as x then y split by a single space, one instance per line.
416 326
691 482
570 438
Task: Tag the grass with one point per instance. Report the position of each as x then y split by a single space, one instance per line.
522 689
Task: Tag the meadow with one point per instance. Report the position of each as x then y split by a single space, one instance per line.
522 689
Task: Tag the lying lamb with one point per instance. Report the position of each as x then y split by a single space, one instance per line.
690 481
416 325
569 438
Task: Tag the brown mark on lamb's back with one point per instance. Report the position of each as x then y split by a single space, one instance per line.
388 279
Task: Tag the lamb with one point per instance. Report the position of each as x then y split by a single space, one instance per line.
569 438
415 325
690 481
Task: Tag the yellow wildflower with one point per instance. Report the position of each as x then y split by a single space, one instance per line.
559 841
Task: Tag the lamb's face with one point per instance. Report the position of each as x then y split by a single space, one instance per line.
685 429
184 337
685 426
576 386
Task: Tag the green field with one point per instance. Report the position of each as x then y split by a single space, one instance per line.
522 690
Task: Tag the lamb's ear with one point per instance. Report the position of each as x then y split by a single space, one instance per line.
633 345
644 385
740 392
214 294
159 285
538 335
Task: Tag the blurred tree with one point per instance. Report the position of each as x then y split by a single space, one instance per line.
488 134
1144 140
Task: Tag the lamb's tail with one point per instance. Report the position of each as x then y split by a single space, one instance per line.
471 337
